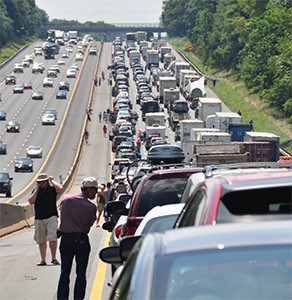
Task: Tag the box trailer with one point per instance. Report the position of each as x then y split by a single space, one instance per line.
165 83
224 119
170 95
185 127
206 107
180 66
157 118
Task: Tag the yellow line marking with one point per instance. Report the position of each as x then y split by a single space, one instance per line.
97 287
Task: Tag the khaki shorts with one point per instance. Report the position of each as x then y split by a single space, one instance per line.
46 230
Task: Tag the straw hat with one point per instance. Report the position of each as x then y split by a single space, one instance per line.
42 177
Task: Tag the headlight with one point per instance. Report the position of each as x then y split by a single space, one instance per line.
30 165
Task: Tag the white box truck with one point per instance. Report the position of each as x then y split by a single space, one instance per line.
195 131
180 66
161 130
223 119
152 58
214 137
207 106
185 127
164 50
189 78
165 83
157 118
141 36
170 95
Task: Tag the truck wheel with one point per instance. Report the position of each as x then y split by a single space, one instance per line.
8 194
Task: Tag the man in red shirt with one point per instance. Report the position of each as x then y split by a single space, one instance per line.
77 215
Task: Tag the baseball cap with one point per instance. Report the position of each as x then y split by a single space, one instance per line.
89 182
42 177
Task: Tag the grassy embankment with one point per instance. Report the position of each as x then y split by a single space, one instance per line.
234 94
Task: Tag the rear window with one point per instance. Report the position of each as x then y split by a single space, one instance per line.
160 192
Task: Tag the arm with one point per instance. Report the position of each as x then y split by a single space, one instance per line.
33 196
58 186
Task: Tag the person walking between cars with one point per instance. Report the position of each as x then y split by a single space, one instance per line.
100 199
104 129
44 198
77 215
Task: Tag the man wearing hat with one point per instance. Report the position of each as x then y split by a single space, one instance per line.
77 215
44 198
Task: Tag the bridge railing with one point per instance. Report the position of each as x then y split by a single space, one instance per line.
137 25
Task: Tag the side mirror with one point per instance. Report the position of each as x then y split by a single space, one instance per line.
117 207
126 246
110 255
109 226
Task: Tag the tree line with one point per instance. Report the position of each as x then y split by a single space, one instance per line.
250 38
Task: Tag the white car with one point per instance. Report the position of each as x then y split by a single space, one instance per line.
79 57
34 152
48 119
61 62
71 73
48 82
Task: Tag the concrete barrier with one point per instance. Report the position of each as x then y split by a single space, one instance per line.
15 217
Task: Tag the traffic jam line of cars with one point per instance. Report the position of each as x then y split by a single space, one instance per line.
241 245
49 115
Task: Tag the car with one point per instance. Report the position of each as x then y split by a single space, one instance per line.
61 94
12 126
23 164
37 68
55 68
78 57
159 186
52 73
10 79
64 85
71 73
37 95
48 119
65 55
18 89
34 152
48 82
51 111
157 141
5 183
241 195
117 140
93 51
3 147
28 85
3 115
61 62
242 261
18 68
166 153
116 165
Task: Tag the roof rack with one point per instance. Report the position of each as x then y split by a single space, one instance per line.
171 166
208 170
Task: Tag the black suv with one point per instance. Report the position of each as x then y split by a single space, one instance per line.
5 183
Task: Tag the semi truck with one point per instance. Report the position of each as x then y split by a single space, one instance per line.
141 36
207 107
73 36
170 95
165 83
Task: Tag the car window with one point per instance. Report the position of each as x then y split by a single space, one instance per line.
160 192
192 212
259 272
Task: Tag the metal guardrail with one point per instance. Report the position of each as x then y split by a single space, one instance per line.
12 56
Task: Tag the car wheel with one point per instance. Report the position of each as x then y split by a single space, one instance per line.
8 194
15 170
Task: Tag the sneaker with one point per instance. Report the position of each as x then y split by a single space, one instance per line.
55 262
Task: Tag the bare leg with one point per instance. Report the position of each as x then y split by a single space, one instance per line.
43 250
53 247
98 217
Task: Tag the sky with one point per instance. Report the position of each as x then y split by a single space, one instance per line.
109 11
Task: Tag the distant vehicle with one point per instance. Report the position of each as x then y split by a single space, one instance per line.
23 164
28 86
166 153
55 68
10 79
37 95
48 82
12 126
65 55
51 111
3 115
34 152
79 57
61 94
5 183
37 68
18 89
92 51
52 73
71 73
61 62
18 68
3 147
64 85
48 119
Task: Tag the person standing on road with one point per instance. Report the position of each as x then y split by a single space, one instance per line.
44 198
78 214
100 199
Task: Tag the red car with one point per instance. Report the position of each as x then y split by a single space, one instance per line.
157 187
239 196
27 86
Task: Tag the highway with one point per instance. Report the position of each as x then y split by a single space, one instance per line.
21 278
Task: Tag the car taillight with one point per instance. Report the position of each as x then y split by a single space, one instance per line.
131 230
118 231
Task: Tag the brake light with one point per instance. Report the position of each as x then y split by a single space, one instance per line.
131 230
118 231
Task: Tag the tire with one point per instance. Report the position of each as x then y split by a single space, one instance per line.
8 194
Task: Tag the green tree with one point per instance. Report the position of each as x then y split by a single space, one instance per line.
5 25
